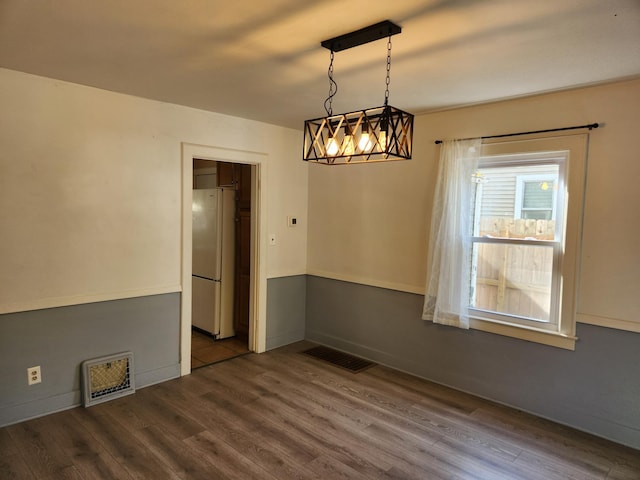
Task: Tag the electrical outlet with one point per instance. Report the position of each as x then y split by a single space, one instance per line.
33 375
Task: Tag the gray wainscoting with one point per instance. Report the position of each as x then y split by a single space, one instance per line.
59 339
286 301
595 388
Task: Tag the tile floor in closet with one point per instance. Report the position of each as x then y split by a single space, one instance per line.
205 350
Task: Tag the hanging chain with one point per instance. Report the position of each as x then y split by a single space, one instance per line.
388 79
333 88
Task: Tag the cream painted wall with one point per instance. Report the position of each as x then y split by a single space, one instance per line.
90 191
369 223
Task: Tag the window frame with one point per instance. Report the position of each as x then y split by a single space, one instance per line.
521 180
571 217
559 159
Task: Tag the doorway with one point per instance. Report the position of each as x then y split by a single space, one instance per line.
231 184
252 166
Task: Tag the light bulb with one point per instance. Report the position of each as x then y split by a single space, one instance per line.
382 140
332 147
364 144
384 125
348 146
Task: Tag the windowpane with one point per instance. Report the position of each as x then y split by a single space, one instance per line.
515 200
538 195
513 279
536 214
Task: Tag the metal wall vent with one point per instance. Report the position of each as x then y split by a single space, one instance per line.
108 377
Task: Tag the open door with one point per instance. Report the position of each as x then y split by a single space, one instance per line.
247 168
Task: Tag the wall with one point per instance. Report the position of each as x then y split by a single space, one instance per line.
90 208
369 226
286 307
89 176
60 339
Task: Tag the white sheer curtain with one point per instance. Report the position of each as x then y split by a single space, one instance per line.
449 268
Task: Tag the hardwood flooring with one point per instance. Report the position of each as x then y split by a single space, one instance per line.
205 350
282 415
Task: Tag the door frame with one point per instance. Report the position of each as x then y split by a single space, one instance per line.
258 287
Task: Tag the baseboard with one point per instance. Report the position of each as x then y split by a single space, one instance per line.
151 377
39 408
562 414
49 405
284 339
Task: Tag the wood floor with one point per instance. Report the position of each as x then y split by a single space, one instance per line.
283 415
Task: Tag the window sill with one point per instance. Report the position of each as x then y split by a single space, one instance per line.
530 334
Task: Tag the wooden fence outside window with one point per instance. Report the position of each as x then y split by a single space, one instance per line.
511 278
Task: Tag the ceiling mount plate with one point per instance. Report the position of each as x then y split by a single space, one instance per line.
362 36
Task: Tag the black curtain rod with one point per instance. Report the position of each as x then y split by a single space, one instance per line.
589 126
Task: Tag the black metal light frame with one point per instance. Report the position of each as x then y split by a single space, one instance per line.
377 134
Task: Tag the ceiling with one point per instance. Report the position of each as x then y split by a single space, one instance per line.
262 59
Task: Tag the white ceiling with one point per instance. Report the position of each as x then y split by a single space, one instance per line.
262 59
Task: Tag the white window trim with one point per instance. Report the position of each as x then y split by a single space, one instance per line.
559 159
575 162
523 332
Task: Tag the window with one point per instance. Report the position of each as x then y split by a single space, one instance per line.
536 196
505 237
518 238
527 219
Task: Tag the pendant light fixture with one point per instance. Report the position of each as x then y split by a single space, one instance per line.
376 134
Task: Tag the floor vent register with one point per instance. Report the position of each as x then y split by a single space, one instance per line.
339 359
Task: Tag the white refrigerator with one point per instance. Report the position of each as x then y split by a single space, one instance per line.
213 269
